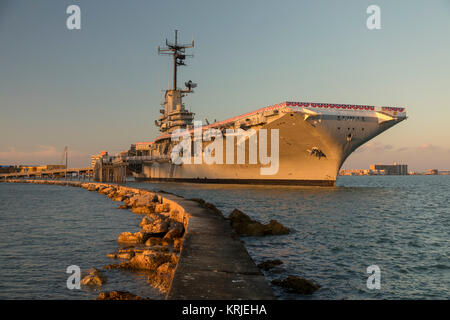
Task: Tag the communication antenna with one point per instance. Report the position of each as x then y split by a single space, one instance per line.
178 52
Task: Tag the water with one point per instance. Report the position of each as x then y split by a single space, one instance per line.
44 229
401 224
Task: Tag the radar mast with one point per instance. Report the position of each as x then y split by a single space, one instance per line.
174 115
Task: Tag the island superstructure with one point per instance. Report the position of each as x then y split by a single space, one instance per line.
314 138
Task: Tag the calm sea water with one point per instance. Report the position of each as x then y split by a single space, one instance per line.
44 229
401 224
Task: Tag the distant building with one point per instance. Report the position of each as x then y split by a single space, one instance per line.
46 167
132 150
391 169
433 172
8 169
98 157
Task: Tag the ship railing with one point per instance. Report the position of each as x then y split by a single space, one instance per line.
121 159
147 158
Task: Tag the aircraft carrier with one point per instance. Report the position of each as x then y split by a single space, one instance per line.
312 139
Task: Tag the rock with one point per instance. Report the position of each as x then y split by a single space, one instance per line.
161 248
152 218
122 206
118 198
296 284
154 241
112 266
177 216
93 278
92 187
121 255
128 237
106 190
147 260
162 207
142 210
277 228
141 200
176 230
118 295
155 223
159 226
111 194
163 276
244 225
269 264
237 216
177 244
255 229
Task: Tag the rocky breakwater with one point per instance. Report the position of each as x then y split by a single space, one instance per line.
156 247
245 226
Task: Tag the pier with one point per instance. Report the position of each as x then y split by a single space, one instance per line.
214 264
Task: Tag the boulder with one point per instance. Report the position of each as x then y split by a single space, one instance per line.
176 230
269 264
121 255
276 228
118 295
296 284
177 244
92 187
162 277
112 266
142 210
151 218
141 200
154 241
147 260
93 278
244 225
157 226
128 237
105 190
118 198
162 207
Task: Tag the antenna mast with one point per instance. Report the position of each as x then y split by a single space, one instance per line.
178 52
174 115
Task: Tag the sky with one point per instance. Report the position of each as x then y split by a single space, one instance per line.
100 88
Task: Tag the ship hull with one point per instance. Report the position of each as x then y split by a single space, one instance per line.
335 134
281 182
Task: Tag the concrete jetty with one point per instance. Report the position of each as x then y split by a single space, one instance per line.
213 263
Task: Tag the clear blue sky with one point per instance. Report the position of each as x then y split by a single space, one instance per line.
100 87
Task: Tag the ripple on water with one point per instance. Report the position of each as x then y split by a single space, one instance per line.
394 222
